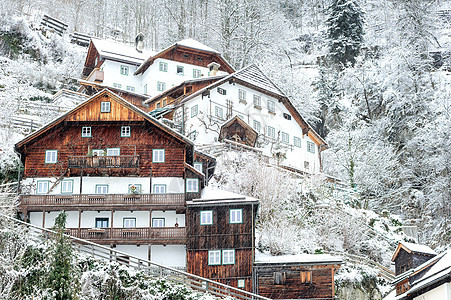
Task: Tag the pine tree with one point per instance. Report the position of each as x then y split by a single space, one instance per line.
60 277
344 32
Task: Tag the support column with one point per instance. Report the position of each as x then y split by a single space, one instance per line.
111 225
43 219
79 224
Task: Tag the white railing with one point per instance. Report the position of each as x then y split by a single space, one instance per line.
171 274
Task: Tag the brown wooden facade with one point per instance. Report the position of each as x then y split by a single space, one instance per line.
295 280
239 131
221 235
74 151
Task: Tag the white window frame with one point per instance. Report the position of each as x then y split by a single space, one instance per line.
310 147
285 138
101 189
86 131
242 95
105 106
206 217
297 142
257 126
241 283
198 166
158 222
214 257
124 70
271 106
130 88
117 85
42 186
158 155
271 132
228 256
163 66
161 86
159 189
145 89
257 100
51 156
194 111
197 73
219 112
236 216
129 222
125 131
100 152
192 185
67 186
138 188
113 151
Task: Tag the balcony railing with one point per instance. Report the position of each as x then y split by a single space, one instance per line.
102 200
121 161
166 235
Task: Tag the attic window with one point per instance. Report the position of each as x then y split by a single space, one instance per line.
286 116
105 106
185 55
200 58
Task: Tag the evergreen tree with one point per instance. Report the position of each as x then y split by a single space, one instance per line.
344 32
60 277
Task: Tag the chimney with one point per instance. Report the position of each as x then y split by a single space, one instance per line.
139 42
214 67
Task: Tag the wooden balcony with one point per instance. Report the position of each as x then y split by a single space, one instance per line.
86 162
108 201
141 235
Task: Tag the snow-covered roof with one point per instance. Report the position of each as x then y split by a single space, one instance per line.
411 247
190 43
253 75
265 258
213 196
120 51
419 248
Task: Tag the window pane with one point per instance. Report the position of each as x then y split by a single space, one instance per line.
158 222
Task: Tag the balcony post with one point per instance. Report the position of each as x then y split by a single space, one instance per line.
150 222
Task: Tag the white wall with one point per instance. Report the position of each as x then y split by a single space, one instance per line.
37 217
206 107
88 218
142 218
116 185
139 251
170 217
169 255
112 74
153 75
440 292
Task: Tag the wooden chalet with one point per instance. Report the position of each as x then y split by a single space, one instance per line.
220 237
190 52
239 131
407 257
304 276
102 139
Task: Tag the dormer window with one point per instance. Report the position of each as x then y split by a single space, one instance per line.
105 106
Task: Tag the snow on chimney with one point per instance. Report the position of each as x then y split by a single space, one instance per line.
139 42
214 67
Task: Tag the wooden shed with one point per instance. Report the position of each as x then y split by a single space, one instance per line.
239 131
304 276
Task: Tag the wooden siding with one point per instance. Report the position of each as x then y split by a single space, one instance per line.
197 263
66 138
222 234
322 285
